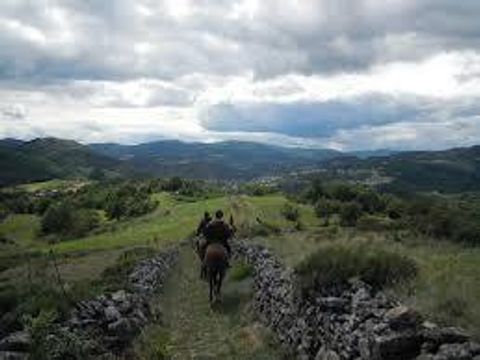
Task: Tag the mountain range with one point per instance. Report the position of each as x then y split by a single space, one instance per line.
46 158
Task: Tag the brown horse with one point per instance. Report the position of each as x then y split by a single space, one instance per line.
216 266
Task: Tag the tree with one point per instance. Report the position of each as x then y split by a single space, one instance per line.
316 191
63 219
343 192
370 201
173 184
58 218
290 212
350 213
324 208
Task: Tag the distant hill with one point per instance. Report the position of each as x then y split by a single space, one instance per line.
41 159
452 170
222 160
47 158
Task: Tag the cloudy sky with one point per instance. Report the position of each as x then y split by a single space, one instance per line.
344 74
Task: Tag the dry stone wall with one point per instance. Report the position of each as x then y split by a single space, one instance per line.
348 322
106 324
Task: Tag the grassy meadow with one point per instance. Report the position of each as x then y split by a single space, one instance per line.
446 288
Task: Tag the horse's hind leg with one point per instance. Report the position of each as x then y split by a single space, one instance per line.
219 284
211 285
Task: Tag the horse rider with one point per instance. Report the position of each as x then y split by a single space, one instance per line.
200 242
218 232
203 223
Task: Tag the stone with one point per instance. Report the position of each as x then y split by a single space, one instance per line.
13 355
402 317
406 343
111 313
119 296
443 335
325 354
120 328
17 341
454 352
332 303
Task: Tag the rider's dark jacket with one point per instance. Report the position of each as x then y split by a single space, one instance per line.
202 226
218 231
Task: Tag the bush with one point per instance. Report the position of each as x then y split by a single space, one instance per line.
343 192
63 219
325 208
337 263
128 201
58 218
290 212
85 220
370 201
349 214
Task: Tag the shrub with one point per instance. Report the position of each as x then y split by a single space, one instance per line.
316 191
84 220
337 263
173 184
63 219
58 218
370 201
324 208
128 201
349 214
290 212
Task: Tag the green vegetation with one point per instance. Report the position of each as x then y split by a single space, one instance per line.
49 158
334 264
240 271
424 249
63 219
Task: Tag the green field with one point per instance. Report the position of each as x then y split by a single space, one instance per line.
446 289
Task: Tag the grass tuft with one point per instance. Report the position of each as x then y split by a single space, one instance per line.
241 270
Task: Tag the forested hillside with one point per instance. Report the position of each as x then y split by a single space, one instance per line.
48 158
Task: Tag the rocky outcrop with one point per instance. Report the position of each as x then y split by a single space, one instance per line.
348 322
107 323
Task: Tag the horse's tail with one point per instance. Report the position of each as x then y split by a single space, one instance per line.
216 258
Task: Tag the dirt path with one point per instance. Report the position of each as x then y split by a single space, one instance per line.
198 332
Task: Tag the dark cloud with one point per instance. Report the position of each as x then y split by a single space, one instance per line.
308 119
103 40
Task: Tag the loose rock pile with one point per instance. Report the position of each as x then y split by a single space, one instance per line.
107 323
348 322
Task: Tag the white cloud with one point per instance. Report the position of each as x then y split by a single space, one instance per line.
136 70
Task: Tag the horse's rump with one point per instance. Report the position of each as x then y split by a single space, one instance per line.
215 256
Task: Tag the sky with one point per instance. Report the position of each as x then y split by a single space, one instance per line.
342 74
